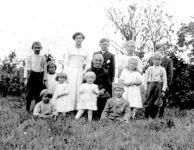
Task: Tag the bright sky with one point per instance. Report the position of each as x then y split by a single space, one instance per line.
54 21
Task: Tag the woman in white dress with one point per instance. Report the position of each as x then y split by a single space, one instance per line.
76 61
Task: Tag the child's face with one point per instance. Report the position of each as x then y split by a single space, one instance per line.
46 98
157 60
51 69
90 79
61 79
118 92
104 46
132 65
37 49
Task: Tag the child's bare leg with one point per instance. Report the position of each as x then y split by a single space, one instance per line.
79 114
133 112
90 115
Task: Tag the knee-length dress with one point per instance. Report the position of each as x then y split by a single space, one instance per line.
75 60
88 96
51 82
132 93
62 104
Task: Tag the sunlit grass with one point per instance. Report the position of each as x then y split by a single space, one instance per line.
18 130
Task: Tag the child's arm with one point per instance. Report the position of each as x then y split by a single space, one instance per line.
66 92
127 112
96 90
37 112
106 110
164 78
122 77
138 81
147 73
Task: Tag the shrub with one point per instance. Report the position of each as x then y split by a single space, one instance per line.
182 90
11 77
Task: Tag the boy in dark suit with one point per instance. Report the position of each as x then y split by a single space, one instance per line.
109 59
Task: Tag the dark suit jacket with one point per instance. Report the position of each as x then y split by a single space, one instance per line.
109 63
167 64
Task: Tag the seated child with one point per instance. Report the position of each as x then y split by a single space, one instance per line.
117 108
44 108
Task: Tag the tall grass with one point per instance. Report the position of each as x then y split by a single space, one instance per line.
19 131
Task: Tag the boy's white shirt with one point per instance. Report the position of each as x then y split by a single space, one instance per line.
35 63
156 74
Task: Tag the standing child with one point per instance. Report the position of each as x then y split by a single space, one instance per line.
117 108
61 99
155 86
132 80
51 76
88 96
34 74
44 108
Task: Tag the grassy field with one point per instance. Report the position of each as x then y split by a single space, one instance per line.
19 131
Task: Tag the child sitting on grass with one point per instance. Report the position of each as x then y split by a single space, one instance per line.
44 108
117 108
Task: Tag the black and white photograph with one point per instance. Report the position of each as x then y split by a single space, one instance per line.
97 75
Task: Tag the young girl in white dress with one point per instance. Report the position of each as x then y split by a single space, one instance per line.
51 76
61 99
132 79
88 93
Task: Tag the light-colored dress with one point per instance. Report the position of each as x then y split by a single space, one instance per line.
74 62
88 96
51 82
132 93
63 103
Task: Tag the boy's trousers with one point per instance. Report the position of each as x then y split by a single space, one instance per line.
34 87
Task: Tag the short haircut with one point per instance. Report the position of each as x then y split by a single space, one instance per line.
133 60
46 92
155 54
99 56
61 74
89 74
78 33
36 43
118 85
51 63
159 45
104 40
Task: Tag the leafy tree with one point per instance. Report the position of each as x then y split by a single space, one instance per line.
145 23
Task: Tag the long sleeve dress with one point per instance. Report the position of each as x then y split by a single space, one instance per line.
63 103
132 93
88 96
74 62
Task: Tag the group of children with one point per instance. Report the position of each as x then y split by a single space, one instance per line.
121 107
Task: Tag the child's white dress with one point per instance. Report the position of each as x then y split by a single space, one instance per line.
51 81
132 93
62 104
87 97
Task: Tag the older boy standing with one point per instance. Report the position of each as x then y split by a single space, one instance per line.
34 74
109 59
